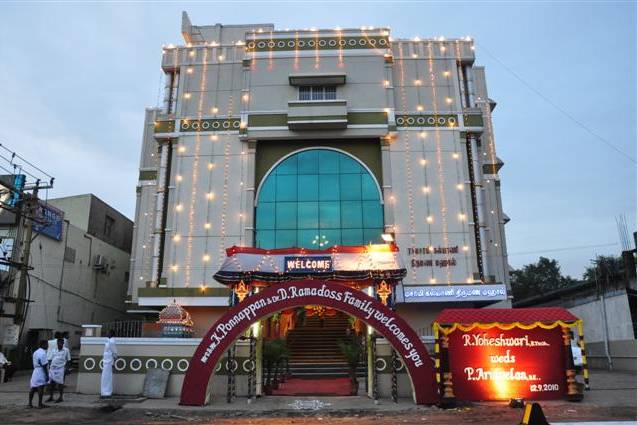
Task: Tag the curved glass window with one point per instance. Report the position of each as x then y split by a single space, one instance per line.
316 199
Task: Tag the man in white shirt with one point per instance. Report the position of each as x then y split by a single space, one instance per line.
58 357
53 343
39 377
110 355
9 368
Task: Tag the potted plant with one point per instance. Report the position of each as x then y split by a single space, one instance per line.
274 354
352 352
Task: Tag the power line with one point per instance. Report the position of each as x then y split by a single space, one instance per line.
568 248
557 107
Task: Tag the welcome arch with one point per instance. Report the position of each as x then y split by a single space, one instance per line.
315 292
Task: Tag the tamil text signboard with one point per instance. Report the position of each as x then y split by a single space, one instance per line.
498 364
446 293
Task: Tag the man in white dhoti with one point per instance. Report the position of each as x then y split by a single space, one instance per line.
40 376
110 355
53 343
58 357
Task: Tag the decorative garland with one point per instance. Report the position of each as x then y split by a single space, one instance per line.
504 326
360 276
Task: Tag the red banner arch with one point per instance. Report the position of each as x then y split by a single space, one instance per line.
303 292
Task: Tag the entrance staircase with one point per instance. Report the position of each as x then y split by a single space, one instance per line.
314 349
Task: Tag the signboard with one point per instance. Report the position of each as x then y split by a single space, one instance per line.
497 364
298 293
446 293
10 187
10 335
48 221
308 264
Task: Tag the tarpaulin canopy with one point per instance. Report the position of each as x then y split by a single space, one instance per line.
467 316
357 264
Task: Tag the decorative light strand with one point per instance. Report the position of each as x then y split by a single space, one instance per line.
195 168
226 172
440 167
407 158
426 189
463 197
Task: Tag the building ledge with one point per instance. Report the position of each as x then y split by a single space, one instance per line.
317 79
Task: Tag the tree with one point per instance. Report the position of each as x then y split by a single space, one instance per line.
538 278
607 269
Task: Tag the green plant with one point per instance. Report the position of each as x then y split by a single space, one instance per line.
300 316
275 353
352 352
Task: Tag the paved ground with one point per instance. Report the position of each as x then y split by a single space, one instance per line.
613 397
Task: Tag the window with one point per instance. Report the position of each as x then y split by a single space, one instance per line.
317 92
318 198
108 225
69 254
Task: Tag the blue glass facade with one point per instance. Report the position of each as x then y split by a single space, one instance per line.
318 198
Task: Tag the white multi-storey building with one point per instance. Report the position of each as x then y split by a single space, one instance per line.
315 138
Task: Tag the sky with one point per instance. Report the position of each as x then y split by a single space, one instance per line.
75 78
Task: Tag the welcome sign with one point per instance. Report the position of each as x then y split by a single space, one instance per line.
356 303
308 264
497 364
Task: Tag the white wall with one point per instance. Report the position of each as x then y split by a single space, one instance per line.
619 321
86 295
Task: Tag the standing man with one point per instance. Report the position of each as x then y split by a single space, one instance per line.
53 343
65 337
57 366
39 377
110 355
9 368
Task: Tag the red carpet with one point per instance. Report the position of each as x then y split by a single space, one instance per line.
297 387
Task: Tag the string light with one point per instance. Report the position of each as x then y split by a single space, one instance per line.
465 248
206 258
179 178
430 219
176 238
446 73
211 165
460 186
179 207
189 70
419 108
210 196
181 149
423 161
187 95
426 189
418 83
206 226
195 171
455 155
408 155
214 109
439 159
